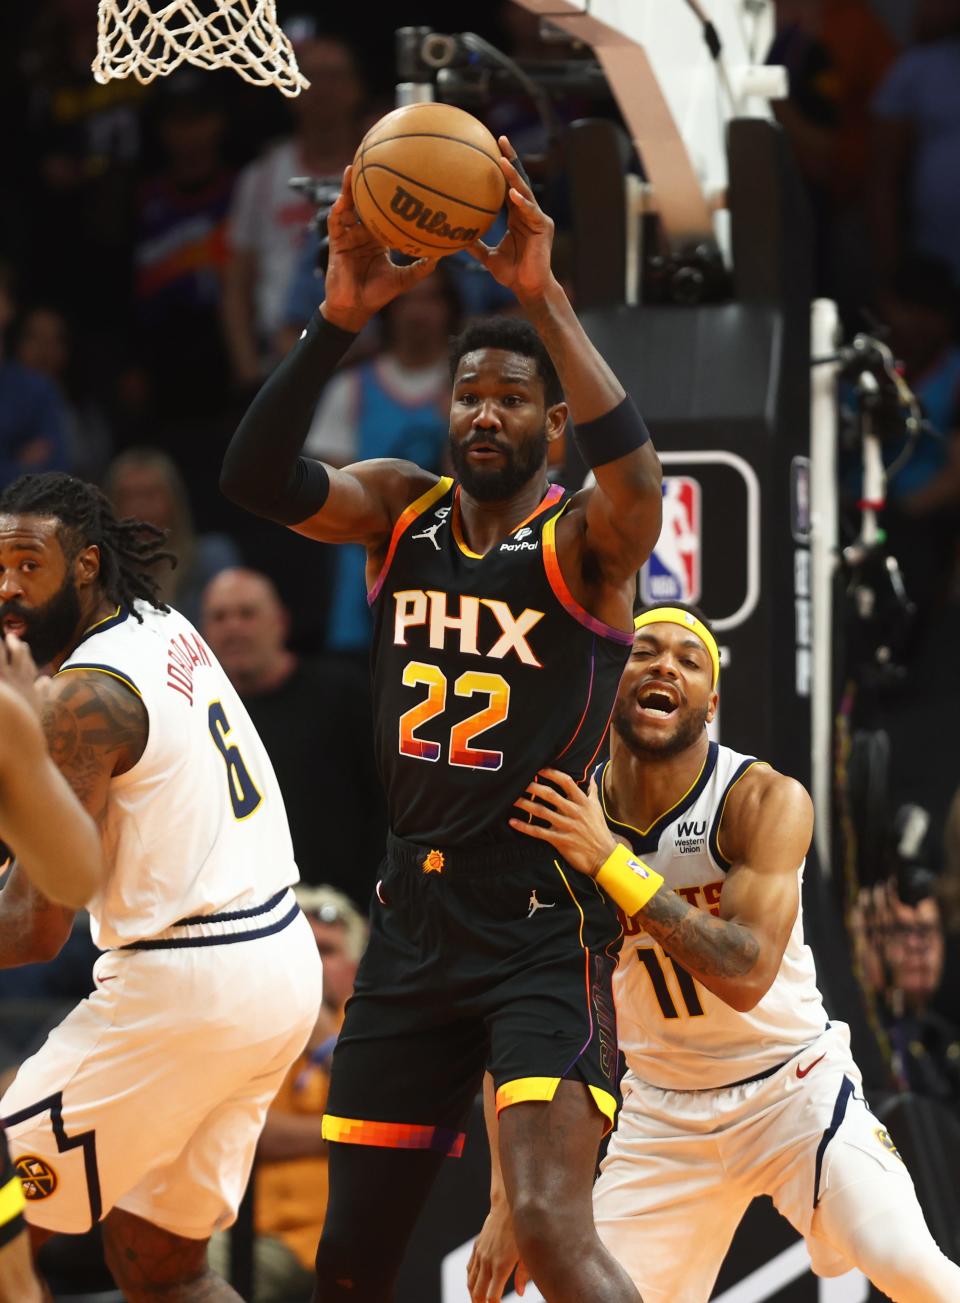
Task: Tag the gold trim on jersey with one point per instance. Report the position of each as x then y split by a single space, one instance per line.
644 832
403 521
102 669
96 625
723 806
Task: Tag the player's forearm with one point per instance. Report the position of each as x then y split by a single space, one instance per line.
589 385
32 928
618 448
723 956
498 1194
263 470
291 1135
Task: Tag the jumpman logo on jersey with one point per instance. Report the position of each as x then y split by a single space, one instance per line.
535 904
431 533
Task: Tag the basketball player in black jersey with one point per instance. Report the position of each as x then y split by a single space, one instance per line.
503 619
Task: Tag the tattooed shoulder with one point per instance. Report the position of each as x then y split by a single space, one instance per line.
93 720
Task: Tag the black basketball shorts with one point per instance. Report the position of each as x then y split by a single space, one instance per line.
499 958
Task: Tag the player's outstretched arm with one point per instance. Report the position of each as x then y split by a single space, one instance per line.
766 832
263 469
95 728
623 510
56 842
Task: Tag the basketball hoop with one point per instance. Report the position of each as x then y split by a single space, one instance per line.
149 38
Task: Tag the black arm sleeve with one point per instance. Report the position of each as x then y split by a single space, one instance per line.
262 469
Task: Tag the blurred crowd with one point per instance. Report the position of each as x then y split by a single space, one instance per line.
155 263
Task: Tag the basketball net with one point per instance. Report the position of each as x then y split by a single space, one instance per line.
148 38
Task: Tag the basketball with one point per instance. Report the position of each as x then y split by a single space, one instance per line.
426 180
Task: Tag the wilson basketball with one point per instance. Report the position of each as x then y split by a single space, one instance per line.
426 180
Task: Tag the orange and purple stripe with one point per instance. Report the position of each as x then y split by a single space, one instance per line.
404 520
393 1135
566 598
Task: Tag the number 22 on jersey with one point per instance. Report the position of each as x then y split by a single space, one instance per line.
471 683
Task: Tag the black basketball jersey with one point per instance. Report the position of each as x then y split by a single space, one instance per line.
485 670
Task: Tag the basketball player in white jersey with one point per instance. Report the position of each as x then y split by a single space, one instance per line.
737 1084
143 1107
59 849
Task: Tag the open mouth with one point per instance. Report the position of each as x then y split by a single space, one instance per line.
657 703
13 624
484 451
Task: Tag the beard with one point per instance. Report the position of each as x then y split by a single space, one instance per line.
49 629
689 728
519 467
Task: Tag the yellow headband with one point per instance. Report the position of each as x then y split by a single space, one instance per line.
686 620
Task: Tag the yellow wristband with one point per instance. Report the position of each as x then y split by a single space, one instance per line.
630 882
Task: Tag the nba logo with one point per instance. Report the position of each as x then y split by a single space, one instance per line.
673 572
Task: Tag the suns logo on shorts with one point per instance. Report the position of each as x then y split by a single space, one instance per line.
433 863
883 1135
37 1177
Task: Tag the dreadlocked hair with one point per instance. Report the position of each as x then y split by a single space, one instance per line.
85 519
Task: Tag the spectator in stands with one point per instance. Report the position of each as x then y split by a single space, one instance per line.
916 181
145 483
290 1177
181 252
393 405
951 871
85 141
33 421
268 220
925 1046
45 343
836 53
314 718
923 515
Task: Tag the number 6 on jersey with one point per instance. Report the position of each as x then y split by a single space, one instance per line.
244 796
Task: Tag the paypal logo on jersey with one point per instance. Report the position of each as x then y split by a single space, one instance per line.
673 572
518 545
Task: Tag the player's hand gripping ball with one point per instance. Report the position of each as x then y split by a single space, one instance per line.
427 180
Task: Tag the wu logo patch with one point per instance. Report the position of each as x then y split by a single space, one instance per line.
691 829
690 836
673 572
37 1177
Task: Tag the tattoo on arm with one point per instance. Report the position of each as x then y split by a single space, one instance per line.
701 942
95 728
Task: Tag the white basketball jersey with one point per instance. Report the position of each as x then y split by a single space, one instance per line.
675 1033
198 824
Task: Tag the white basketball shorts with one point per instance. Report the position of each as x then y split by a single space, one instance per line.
150 1096
683 1166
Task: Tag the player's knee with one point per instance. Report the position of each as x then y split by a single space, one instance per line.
144 1259
544 1229
347 1270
